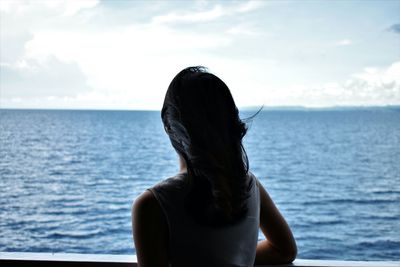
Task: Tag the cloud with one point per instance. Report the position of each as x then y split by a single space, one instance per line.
65 8
243 29
388 78
12 44
213 14
371 86
250 6
20 20
395 28
51 77
202 16
73 7
343 42
126 68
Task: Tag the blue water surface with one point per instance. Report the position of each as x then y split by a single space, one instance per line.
68 178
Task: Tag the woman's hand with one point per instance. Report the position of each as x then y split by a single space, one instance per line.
279 246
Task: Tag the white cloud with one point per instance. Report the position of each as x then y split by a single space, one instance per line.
5 5
202 16
20 20
73 7
372 86
65 8
244 29
51 77
213 14
343 42
250 6
125 58
380 77
134 62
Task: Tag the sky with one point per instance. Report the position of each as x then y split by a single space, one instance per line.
123 54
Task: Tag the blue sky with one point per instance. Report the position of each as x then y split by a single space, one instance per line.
123 54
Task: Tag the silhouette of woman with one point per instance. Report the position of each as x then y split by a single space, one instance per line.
209 213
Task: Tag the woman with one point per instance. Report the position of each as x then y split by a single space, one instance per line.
210 212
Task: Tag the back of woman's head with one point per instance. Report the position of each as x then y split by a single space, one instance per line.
202 121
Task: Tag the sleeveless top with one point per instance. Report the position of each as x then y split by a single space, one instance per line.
191 244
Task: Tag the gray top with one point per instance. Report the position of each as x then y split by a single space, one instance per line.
191 244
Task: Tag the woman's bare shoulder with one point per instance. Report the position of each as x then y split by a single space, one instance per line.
144 199
145 204
150 231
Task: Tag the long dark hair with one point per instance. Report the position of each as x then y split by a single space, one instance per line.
203 124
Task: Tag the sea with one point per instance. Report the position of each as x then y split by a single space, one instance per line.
68 177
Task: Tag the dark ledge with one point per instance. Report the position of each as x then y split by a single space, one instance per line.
63 259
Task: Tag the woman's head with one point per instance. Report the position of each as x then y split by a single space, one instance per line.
203 124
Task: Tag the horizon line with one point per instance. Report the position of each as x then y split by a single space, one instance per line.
244 108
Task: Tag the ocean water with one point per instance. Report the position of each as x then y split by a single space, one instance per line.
68 178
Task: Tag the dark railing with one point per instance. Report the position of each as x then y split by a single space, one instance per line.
13 259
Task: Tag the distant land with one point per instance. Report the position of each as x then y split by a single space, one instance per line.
303 108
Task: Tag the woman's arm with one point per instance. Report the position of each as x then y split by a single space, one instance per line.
279 246
150 232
